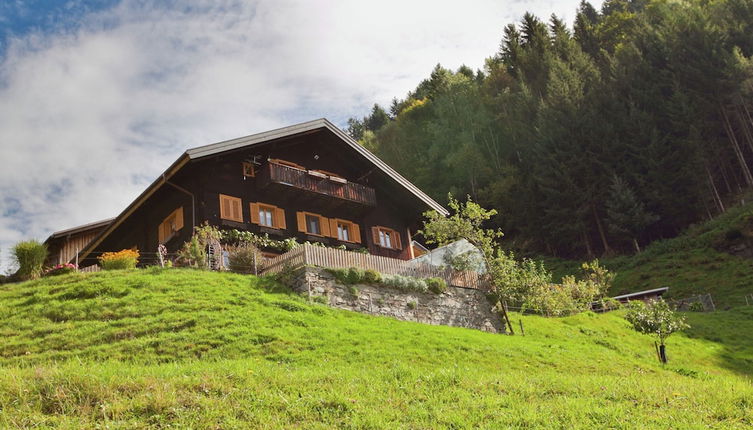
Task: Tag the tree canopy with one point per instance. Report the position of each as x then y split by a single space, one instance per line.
625 128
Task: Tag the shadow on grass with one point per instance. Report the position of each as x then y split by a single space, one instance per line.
732 329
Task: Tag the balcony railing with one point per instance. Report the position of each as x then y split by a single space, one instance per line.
316 182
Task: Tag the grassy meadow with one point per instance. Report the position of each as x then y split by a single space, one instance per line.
161 348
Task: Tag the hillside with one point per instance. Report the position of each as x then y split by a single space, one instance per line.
208 350
714 257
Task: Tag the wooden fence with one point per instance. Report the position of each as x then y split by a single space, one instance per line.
337 258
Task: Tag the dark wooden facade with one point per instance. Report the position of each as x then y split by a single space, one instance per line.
314 173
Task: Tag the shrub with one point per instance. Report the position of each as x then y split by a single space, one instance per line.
371 276
193 254
436 285
29 256
354 275
244 258
405 283
610 304
60 269
353 290
412 305
125 259
696 307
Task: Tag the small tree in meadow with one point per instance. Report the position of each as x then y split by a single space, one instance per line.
657 319
29 256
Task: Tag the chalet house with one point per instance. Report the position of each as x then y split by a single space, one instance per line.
309 181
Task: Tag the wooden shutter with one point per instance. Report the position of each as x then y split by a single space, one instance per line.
356 232
396 240
375 235
237 210
279 218
301 221
254 213
324 227
230 208
333 227
178 218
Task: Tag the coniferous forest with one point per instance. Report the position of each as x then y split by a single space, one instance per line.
626 128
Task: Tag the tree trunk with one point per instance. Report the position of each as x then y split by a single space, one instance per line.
587 242
736 147
714 191
663 353
637 247
602 234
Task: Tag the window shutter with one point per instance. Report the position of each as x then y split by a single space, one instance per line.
396 240
237 211
333 227
255 213
179 218
301 221
224 207
356 232
324 226
375 235
279 218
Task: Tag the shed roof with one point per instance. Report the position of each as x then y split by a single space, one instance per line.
657 291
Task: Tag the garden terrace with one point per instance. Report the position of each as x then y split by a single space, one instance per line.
310 255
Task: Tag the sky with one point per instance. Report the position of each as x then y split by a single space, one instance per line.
99 97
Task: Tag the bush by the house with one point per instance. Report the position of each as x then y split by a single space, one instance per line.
125 259
29 256
192 254
405 283
244 258
436 285
354 275
371 276
60 269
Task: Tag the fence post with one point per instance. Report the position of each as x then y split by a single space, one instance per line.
76 259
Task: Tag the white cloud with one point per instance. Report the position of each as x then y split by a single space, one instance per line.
88 117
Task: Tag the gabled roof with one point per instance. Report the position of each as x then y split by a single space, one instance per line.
80 229
242 142
322 123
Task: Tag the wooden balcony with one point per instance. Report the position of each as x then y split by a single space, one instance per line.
316 182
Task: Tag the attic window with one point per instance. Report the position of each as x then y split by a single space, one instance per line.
386 237
267 215
248 169
170 225
230 208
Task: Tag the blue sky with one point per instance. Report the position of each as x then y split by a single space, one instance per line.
98 97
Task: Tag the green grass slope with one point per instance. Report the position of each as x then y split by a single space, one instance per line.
186 349
699 261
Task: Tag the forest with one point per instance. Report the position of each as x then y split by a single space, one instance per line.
589 140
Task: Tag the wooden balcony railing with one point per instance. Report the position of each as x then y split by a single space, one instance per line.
316 182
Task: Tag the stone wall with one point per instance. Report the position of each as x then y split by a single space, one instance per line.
458 307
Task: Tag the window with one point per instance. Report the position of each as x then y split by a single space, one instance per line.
345 231
230 208
170 225
386 237
314 224
267 215
248 169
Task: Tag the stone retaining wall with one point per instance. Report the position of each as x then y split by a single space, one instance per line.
458 307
